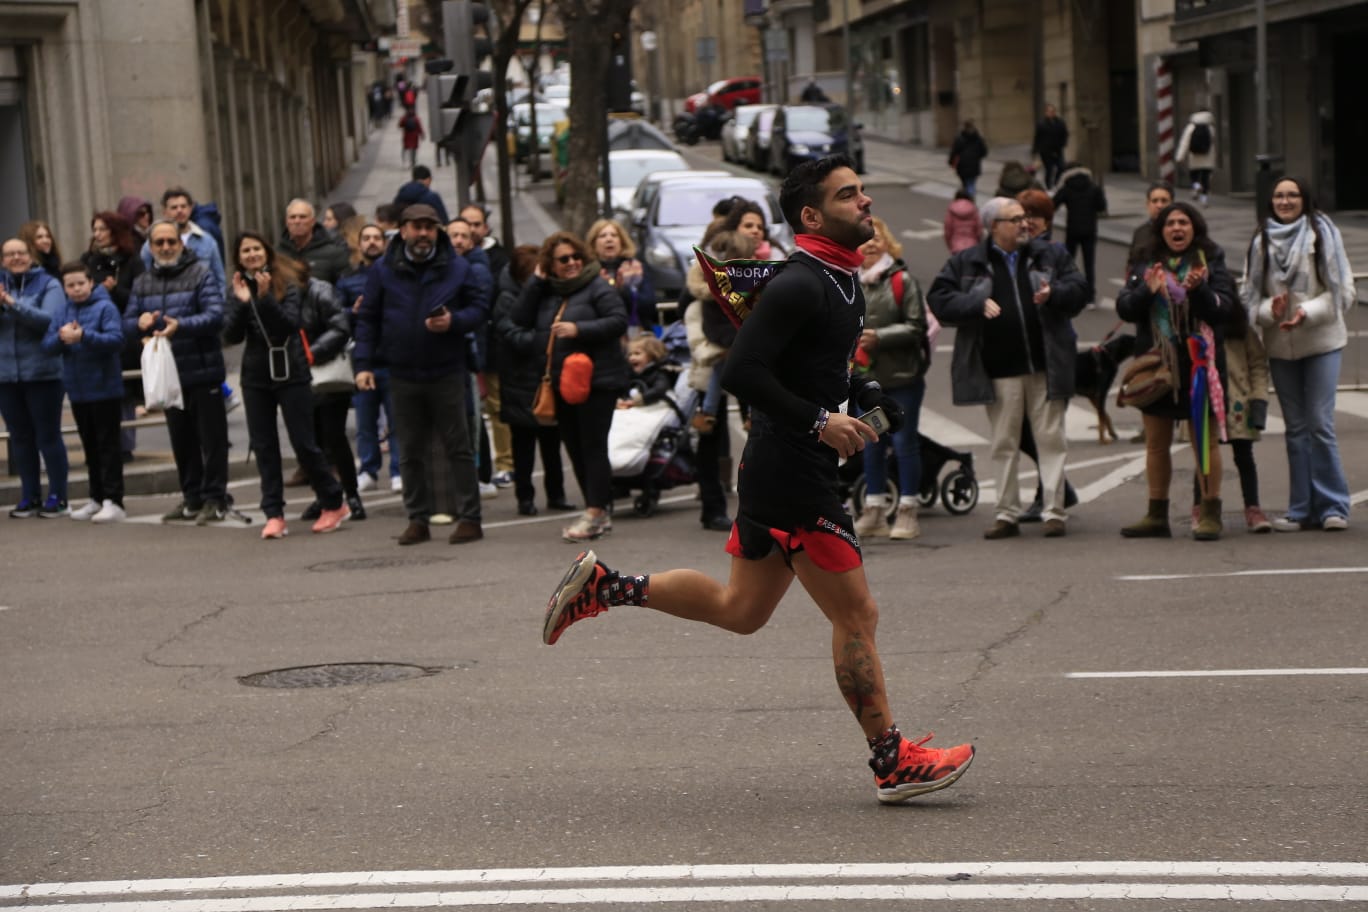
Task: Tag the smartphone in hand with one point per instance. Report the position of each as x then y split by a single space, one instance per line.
877 419
437 311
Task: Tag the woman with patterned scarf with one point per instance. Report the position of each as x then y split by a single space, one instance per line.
1179 296
1298 287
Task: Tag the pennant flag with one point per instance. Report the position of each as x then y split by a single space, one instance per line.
736 284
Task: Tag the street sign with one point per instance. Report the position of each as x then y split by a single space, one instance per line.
707 49
648 41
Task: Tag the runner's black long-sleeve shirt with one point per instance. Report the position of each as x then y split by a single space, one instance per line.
791 358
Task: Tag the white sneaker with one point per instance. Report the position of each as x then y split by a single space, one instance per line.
1283 524
110 512
488 490
1334 523
873 522
87 511
397 484
365 481
905 524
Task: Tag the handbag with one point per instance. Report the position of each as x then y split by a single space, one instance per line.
277 356
544 402
577 377
160 379
1147 380
333 376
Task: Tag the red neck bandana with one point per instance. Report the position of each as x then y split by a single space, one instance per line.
830 252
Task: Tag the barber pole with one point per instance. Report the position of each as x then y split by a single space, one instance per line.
1163 88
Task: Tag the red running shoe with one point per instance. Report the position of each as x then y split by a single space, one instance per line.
576 597
920 770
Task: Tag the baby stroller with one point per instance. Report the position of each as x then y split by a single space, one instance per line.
958 492
650 447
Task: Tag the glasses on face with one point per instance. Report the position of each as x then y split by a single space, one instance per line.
1283 197
13 254
164 242
570 258
1015 220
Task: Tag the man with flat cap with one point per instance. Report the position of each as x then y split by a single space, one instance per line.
421 299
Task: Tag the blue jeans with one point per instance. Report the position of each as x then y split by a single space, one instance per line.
1306 392
33 415
905 445
368 404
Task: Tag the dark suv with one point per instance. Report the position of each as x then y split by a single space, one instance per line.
804 132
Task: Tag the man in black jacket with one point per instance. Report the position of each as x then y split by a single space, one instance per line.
306 240
791 363
1012 301
181 300
1051 136
1085 201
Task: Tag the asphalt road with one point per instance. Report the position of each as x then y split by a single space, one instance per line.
1160 725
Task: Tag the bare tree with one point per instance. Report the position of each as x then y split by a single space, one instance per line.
586 22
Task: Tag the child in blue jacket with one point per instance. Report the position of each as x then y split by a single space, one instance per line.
88 334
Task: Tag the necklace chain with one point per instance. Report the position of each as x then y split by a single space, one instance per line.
854 286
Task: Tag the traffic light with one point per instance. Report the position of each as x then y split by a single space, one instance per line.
458 120
462 119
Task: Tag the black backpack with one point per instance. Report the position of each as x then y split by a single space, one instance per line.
1201 139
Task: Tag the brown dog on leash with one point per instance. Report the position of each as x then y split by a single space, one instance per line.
1094 372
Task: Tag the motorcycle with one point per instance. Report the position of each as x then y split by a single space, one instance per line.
685 128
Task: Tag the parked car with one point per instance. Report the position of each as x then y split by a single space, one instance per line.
678 215
736 128
700 99
623 133
520 125
804 132
633 215
734 91
626 168
758 140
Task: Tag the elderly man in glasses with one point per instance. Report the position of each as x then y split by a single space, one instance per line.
1012 300
180 299
421 299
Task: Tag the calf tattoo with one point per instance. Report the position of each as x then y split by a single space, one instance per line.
856 677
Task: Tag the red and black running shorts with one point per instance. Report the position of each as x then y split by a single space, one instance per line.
828 538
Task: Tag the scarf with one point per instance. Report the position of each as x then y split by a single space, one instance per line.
1291 252
1176 326
566 287
875 273
829 252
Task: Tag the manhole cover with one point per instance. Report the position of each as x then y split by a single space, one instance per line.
338 675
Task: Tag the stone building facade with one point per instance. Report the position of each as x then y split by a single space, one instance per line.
244 102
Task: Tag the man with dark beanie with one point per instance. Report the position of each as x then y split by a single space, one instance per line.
791 363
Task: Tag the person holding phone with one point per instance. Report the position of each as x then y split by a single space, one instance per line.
791 362
265 315
421 300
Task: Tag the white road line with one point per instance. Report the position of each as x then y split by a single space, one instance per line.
1352 403
775 893
947 432
684 872
1288 571
1222 673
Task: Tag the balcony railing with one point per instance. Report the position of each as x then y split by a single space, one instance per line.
1192 9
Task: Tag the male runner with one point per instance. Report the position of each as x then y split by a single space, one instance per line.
791 362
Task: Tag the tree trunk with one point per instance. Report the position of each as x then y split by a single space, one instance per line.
510 15
587 23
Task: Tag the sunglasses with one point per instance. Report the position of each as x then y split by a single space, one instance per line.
165 242
570 258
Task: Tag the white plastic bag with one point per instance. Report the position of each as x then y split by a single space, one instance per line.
161 382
